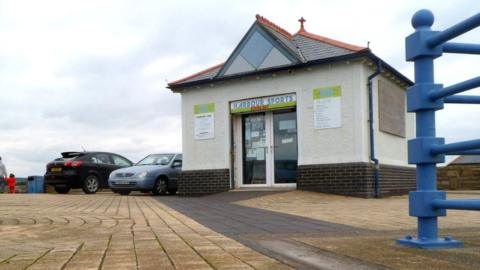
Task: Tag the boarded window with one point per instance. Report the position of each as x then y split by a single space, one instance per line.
391 108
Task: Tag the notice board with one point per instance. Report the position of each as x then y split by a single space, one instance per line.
327 107
204 115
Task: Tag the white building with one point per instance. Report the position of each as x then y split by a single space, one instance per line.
294 110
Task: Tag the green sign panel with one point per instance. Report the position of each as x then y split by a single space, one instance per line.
263 103
204 108
327 92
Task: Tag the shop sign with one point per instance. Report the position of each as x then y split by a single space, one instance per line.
204 121
327 105
263 103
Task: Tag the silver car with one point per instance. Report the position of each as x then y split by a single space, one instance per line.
156 173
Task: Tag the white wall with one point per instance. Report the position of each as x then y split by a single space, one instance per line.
390 149
345 144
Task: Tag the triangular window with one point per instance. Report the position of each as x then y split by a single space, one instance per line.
256 51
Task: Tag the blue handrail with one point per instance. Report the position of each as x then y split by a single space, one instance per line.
454 147
455 89
463 99
426 150
452 47
454 31
469 204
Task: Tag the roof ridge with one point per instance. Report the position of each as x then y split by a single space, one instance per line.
273 26
330 41
196 74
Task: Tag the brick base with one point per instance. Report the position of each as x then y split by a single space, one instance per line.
355 179
203 182
396 180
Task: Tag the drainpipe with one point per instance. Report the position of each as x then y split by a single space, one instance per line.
373 158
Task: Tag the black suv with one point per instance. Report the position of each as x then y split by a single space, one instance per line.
86 170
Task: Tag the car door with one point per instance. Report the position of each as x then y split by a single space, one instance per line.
176 167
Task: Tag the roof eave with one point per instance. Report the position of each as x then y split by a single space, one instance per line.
364 53
395 72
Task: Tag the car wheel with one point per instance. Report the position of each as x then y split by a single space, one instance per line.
160 187
62 189
91 184
172 191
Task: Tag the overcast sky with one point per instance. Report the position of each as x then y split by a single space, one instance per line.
92 74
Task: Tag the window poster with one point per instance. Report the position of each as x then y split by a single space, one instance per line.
204 121
327 107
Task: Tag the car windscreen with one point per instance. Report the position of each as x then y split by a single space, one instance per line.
157 159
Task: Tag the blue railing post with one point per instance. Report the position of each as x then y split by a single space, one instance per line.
426 150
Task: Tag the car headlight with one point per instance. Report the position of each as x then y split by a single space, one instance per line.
142 175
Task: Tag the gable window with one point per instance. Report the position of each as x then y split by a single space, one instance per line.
256 51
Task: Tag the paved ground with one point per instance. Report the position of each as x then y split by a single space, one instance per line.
235 230
221 213
106 231
382 222
272 233
384 214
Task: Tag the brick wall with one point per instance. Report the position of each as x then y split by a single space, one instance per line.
459 177
203 182
396 180
355 179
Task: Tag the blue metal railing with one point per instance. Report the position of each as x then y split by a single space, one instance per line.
426 150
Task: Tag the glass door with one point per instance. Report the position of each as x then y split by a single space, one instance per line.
269 151
285 153
254 149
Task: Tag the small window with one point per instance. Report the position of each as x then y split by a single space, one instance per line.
120 161
102 159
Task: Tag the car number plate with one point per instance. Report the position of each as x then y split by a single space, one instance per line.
56 169
123 182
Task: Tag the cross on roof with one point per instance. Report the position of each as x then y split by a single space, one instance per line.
302 20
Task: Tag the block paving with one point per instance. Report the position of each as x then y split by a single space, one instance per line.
107 231
233 230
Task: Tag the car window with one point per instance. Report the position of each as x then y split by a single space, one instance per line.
120 161
92 159
156 159
177 162
102 159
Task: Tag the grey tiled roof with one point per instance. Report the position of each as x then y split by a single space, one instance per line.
466 160
316 50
